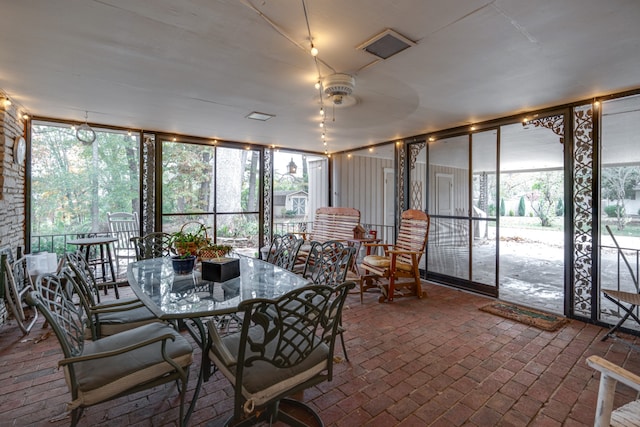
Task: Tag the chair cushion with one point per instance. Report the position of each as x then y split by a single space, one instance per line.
100 379
385 262
263 381
115 322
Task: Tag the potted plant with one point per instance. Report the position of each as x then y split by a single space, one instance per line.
185 241
183 264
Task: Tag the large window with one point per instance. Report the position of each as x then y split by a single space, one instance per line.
620 198
299 188
74 184
217 186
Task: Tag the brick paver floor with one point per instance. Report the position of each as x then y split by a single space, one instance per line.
438 361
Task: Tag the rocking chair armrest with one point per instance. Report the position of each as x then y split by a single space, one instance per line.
403 252
375 245
227 358
121 350
302 234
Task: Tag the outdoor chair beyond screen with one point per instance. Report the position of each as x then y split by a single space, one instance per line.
103 318
284 250
124 226
115 366
399 260
284 346
153 245
626 300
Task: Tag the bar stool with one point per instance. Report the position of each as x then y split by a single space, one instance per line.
102 262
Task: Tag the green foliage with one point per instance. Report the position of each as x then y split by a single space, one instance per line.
511 213
617 185
187 171
74 185
521 206
502 208
614 211
492 210
546 189
185 236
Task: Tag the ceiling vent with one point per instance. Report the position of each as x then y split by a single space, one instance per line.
386 44
256 115
339 87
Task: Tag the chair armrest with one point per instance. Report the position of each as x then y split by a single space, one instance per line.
121 350
121 305
114 308
399 251
375 245
611 374
302 234
614 371
227 358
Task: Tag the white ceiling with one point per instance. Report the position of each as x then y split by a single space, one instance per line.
198 67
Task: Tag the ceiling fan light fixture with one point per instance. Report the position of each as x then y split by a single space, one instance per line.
338 86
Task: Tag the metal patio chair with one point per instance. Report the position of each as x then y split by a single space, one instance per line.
284 346
103 318
153 245
15 278
328 264
284 250
115 366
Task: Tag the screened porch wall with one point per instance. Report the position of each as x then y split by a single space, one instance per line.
359 183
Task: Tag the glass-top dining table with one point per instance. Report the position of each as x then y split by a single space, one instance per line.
189 298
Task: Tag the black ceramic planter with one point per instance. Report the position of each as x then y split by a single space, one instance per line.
183 265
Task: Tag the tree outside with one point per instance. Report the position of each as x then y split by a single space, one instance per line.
75 184
618 184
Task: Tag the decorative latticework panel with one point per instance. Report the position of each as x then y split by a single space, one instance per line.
416 201
416 195
148 181
582 209
401 173
483 196
268 194
555 123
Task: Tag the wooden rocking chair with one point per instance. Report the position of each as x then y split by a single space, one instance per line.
399 261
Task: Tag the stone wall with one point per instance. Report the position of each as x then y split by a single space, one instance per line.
12 182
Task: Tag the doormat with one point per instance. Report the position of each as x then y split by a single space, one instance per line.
528 316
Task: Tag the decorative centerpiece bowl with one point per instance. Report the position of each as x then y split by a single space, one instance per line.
214 251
